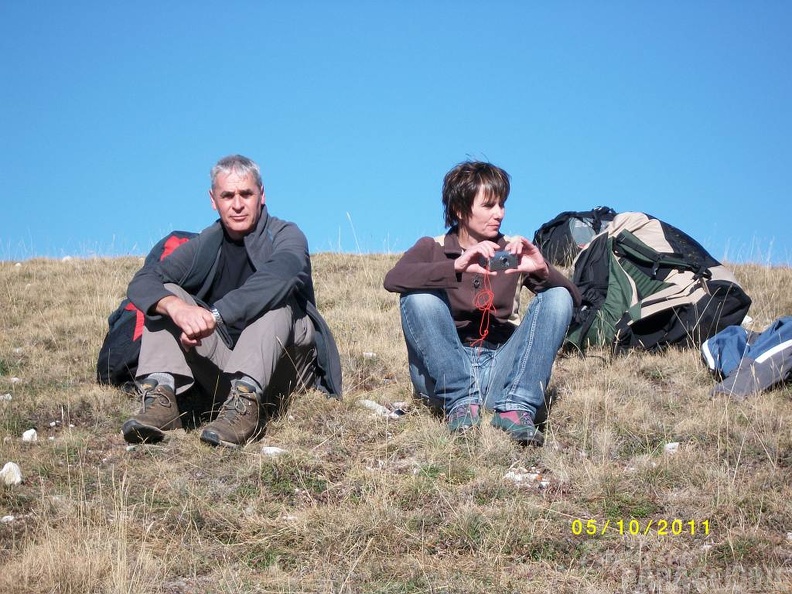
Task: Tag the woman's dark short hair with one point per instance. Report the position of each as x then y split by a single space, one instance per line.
461 185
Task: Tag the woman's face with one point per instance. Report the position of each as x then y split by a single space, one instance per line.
485 218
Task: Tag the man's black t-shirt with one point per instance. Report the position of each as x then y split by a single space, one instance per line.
234 268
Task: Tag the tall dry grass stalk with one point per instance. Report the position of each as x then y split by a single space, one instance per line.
365 503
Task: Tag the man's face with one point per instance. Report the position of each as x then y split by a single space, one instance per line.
238 200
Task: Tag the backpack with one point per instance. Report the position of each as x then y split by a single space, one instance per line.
562 238
118 357
646 284
746 362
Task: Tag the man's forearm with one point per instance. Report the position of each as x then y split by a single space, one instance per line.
165 306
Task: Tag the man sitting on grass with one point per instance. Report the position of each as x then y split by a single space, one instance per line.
233 310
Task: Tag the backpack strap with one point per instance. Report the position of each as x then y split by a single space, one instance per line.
627 245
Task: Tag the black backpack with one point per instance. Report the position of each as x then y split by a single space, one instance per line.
562 238
118 357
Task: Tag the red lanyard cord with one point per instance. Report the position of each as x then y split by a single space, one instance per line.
483 301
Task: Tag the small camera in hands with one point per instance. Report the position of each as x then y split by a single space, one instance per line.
501 260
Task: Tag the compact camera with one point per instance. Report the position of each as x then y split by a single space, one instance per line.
500 261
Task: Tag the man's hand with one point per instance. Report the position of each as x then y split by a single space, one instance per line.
529 258
470 260
195 321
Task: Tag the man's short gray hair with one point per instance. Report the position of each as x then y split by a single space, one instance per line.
236 164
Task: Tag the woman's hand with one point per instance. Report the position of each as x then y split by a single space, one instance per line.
470 260
529 258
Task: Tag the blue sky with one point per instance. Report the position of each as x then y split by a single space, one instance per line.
112 114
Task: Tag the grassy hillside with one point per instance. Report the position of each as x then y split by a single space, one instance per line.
360 502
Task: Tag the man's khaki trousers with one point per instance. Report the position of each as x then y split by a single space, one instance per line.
277 350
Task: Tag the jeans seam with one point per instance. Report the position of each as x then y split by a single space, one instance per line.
477 370
524 357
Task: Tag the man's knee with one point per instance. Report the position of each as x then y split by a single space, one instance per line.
275 323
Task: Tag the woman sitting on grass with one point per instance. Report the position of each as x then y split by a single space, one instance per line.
460 316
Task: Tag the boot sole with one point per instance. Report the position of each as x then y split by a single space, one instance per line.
213 439
136 432
537 439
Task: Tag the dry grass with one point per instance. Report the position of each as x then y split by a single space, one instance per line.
363 503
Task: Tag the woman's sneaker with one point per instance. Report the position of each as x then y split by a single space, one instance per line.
519 425
464 417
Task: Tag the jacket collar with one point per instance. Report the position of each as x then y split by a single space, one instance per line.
261 225
451 242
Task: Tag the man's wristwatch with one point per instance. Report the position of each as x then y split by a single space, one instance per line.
217 317
220 328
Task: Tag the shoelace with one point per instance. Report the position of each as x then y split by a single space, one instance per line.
524 417
235 406
149 398
467 411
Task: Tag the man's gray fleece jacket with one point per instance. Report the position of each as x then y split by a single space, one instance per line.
278 251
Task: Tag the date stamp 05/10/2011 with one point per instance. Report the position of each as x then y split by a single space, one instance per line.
634 527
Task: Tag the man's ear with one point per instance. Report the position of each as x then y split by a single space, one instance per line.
263 196
211 197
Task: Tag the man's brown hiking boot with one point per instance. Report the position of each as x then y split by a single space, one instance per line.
158 414
238 419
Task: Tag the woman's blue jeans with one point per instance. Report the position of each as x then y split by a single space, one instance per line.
513 376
